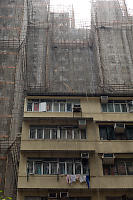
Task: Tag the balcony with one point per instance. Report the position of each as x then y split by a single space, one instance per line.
59 182
115 146
53 145
112 182
29 115
48 181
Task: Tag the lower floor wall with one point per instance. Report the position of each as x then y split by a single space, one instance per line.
74 194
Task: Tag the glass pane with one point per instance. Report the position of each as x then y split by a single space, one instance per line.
36 107
30 167
39 133
83 134
46 133
129 165
29 106
110 133
45 168
124 107
110 107
56 107
121 168
129 133
54 134
32 133
62 107
76 134
85 168
62 168
117 108
69 107
53 168
69 133
77 168
38 167
104 107
49 106
103 133
63 133
69 168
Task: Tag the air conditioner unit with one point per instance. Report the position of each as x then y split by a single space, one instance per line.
82 123
104 99
76 108
130 105
119 127
108 158
64 195
52 195
84 155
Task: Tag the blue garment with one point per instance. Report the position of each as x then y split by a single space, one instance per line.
88 181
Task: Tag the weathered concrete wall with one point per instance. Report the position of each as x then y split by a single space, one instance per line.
114 36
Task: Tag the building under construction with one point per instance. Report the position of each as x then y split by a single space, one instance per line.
66 93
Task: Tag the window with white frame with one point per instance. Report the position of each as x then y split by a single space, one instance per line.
43 132
116 106
57 166
45 105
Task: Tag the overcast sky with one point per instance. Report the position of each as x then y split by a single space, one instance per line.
82 8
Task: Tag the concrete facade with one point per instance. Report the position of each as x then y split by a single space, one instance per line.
42 52
102 186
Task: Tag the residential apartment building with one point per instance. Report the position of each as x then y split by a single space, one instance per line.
76 147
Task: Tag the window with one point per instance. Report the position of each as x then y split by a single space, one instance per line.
43 105
45 168
76 134
115 106
53 168
53 133
29 106
46 133
69 167
63 133
107 132
41 132
38 167
120 167
57 166
32 133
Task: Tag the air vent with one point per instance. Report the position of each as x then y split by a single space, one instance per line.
119 128
104 99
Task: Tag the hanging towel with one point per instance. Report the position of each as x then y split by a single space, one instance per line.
68 179
73 178
88 181
82 178
77 177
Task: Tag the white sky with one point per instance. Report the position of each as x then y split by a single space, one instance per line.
82 8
